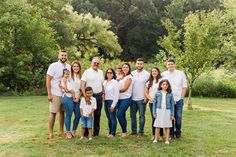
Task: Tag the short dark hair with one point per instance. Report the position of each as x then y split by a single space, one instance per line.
169 87
140 60
88 89
171 60
65 71
113 72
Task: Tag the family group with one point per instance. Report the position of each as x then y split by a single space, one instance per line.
70 91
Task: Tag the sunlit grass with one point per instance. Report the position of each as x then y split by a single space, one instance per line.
208 130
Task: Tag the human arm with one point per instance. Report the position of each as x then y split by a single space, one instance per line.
126 85
115 96
184 86
94 107
172 108
146 94
82 86
154 106
48 85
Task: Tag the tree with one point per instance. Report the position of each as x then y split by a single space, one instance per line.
26 46
196 46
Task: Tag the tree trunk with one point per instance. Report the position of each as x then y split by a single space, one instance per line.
189 101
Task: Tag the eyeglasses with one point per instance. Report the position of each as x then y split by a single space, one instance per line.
96 63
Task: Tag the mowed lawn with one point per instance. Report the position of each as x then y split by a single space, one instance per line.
208 130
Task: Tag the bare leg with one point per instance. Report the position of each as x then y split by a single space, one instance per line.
61 122
167 131
90 132
83 131
156 133
52 117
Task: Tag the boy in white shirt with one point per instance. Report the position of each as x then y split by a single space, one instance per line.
87 110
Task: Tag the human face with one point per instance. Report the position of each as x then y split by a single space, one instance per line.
62 57
139 65
67 74
118 71
95 64
76 68
110 75
125 69
164 86
170 66
89 93
154 73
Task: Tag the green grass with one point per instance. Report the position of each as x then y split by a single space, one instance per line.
208 130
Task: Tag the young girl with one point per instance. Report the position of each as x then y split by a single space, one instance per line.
163 109
66 84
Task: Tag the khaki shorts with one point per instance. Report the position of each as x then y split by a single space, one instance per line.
55 106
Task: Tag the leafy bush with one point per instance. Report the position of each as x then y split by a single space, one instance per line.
208 86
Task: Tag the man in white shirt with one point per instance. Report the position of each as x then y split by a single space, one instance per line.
140 77
178 84
94 78
54 75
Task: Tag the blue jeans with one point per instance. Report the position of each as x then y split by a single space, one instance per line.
69 106
111 116
122 106
176 129
86 122
139 106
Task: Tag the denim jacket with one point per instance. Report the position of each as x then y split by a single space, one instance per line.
169 102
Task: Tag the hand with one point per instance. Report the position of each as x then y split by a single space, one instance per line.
103 97
172 118
50 97
90 115
112 109
76 100
155 115
87 100
175 102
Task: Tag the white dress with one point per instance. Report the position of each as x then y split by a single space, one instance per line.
163 115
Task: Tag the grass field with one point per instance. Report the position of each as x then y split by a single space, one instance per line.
208 130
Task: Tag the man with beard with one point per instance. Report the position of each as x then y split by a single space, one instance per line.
140 77
54 75
93 77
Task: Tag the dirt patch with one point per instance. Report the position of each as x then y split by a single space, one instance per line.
8 139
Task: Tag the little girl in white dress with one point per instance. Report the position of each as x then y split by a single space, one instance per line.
163 109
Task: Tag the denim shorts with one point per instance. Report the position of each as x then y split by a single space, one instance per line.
86 122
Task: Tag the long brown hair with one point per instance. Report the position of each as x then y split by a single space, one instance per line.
168 83
72 71
151 77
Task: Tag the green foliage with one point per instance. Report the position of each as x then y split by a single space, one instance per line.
208 86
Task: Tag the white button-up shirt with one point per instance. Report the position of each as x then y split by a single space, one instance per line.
56 71
88 108
111 89
177 81
93 79
139 82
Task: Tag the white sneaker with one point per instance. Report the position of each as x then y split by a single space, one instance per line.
167 142
155 141
82 137
90 138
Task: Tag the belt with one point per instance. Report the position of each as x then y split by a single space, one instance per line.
98 94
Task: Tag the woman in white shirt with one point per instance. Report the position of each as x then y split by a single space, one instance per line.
111 90
124 97
71 105
150 90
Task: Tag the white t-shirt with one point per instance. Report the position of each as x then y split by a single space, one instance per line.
111 89
139 81
128 92
88 108
76 86
177 81
153 89
93 79
56 71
